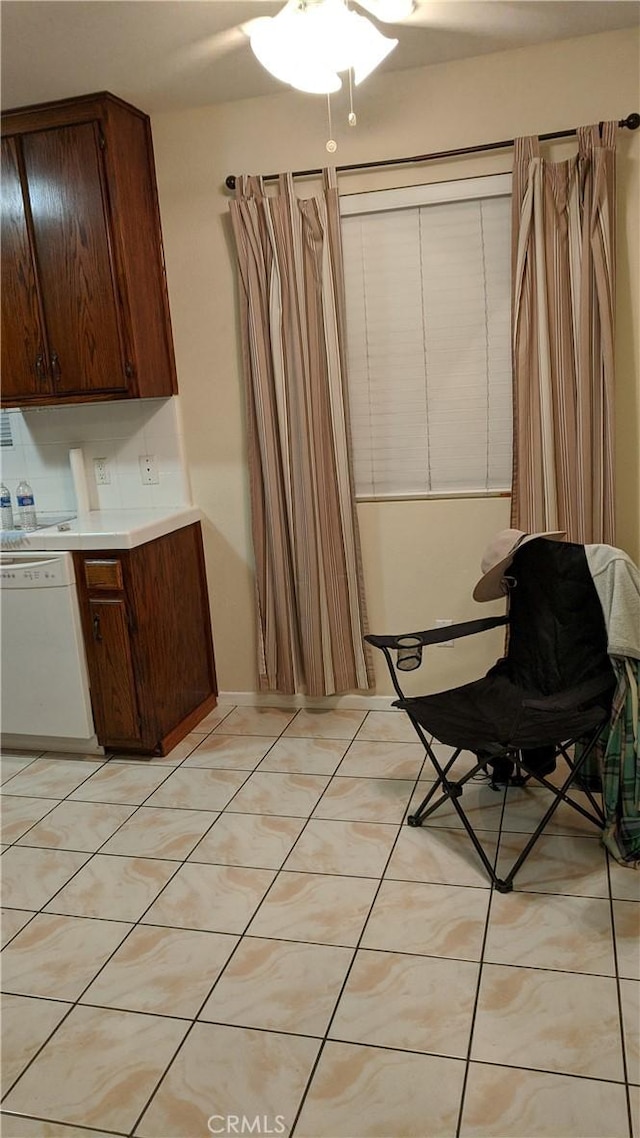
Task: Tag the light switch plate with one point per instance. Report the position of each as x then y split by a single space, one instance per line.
442 623
149 470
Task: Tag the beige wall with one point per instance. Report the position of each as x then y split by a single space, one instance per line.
420 558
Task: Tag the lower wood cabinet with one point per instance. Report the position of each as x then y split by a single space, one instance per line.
147 632
113 684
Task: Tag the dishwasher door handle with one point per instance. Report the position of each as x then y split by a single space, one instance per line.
9 562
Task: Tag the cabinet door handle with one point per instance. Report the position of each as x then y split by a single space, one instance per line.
41 370
56 370
97 635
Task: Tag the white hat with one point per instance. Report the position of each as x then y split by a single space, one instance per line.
498 556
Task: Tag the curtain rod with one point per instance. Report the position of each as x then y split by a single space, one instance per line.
632 122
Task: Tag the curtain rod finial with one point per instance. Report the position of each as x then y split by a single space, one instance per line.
230 182
632 121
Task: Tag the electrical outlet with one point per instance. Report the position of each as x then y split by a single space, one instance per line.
444 643
102 471
149 469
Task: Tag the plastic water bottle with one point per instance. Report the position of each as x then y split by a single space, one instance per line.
26 507
5 508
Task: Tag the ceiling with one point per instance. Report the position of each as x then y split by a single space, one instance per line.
173 54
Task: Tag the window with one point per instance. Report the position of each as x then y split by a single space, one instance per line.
427 273
6 438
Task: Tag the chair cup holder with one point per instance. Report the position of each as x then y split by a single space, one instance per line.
409 653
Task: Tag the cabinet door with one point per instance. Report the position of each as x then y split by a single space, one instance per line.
68 202
113 690
25 373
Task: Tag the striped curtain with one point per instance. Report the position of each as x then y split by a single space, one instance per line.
308 570
563 337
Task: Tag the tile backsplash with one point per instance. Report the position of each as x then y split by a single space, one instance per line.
119 432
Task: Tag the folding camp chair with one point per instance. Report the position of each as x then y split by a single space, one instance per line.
551 690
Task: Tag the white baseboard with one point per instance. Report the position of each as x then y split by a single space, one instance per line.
272 699
50 743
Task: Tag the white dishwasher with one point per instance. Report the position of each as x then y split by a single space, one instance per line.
44 682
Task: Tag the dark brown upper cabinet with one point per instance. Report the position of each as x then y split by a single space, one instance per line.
85 312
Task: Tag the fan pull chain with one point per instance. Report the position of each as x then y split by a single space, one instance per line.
331 145
352 114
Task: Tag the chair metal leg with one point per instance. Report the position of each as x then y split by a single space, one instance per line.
454 791
506 885
574 769
451 791
453 794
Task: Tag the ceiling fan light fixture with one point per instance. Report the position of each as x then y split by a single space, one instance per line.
370 50
278 49
310 41
389 11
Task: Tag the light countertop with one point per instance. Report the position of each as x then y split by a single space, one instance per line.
106 529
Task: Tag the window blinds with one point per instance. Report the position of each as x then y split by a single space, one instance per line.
428 336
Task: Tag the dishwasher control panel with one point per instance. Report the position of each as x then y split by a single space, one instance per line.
26 571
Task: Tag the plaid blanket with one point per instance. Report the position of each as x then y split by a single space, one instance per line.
618 754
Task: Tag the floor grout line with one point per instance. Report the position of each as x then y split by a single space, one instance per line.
277 872
479 980
623 1042
345 981
56 1122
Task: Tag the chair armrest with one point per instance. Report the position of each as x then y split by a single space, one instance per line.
437 635
571 698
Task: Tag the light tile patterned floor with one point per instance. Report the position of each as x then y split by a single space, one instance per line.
247 930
